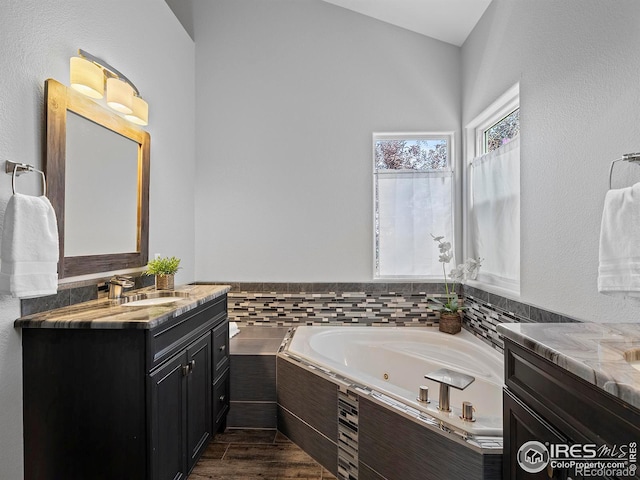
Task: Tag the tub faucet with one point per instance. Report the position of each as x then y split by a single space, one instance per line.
117 284
449 378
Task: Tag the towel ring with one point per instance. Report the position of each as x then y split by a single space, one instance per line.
627 157
611 171
19 168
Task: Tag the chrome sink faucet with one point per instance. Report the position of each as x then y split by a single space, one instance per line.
449 378
117 284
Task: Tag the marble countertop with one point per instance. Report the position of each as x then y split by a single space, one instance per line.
594 352
113 314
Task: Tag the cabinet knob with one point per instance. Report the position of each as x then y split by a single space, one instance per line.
223 348
188 368
221 398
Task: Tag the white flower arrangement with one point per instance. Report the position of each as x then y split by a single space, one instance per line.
461 273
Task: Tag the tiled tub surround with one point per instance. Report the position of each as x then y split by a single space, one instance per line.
377 304
348 440
594 352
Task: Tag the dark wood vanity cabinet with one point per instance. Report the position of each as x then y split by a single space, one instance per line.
546 403
125 403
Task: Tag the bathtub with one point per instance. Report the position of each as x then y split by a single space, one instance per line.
392 362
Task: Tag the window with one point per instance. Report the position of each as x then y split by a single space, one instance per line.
501 132
413 198
492 207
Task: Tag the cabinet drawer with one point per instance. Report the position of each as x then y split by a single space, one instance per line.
173 336
567 401
220 399
220 349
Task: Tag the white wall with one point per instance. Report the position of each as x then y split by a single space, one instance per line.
289 93
144 40
577 63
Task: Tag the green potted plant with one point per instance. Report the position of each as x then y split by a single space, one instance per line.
164 268
451 311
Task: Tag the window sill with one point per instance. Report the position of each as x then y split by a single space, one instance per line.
503 292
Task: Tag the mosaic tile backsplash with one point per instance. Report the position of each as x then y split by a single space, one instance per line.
376 304
331 308
485 311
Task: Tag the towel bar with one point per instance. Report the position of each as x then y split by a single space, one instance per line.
16 169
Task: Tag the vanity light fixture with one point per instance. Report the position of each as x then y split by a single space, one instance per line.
140 113
89 74
119 95
87 77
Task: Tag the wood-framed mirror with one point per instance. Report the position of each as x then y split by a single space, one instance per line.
97 169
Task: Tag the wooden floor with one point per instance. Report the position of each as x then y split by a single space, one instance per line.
256 455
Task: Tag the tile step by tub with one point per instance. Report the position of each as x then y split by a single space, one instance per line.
253 377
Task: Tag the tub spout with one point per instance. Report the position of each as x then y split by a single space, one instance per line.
449 378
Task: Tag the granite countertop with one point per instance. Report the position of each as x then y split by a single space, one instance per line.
114 314
594 352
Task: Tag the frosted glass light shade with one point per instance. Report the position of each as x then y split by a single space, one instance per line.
119 95
86 77
140 114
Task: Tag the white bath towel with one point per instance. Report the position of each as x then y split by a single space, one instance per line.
619 268
29 250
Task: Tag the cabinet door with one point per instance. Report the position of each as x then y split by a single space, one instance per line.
522 425
198 397
168 419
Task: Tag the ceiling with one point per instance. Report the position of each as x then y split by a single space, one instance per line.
448 20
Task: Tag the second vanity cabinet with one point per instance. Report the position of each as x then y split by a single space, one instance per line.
544 402
127 403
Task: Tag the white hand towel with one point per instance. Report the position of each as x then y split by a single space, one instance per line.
619 268
29 251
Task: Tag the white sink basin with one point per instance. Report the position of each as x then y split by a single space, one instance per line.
151 301
146 299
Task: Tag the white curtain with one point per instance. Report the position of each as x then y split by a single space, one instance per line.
410 207
494 215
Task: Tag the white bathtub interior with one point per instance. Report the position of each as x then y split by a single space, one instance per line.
394 360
